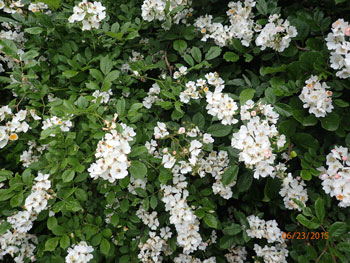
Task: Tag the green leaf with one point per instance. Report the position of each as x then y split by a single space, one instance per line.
344 246
64 242
165 175
4 226
33 30
196 54
105 246
68 175
138 170
337 229
306 175
121 107
16 200
70 73
330 122
232 229
180 45
213 53
31 54
219 130
113 75
53 4
189 60
244 182
306 140
199 120
341 103
246 94
153 202
307 223
231 56
9 48
106 65
320 209
115 220
137 151
51 244
51 222
230 175
73 205
124 205
283 109
226 242
211 220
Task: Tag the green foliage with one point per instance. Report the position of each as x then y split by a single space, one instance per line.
58 71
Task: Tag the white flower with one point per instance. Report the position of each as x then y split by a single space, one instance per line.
168 161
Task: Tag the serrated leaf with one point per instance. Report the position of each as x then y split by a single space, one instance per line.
245 95
211 220
196 54
106 65
337 229
213 52
307 223
320 209
180 45
138 170
231 57
51 244
33 30
219 130
230 175
105 246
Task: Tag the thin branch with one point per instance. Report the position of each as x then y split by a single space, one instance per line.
301 48
322 253
167 62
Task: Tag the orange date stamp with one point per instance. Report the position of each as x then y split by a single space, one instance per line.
305 235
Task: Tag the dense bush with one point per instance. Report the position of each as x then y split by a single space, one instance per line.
175 131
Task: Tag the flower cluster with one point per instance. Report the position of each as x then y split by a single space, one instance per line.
151 250
90 14
181 215
105 96
12 32
64 125
336 178
156 10
79 253
149 219
293 188
181 72
276 34
241 25
136 183
271 254
152 96
182 258
111 153
338 43
11 6
16 125
218 104
254 138
269 230
316 97
17 241
28 157
259 228
215 165
37 7
237 255
18 245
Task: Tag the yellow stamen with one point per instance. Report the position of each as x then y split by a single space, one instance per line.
13 137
